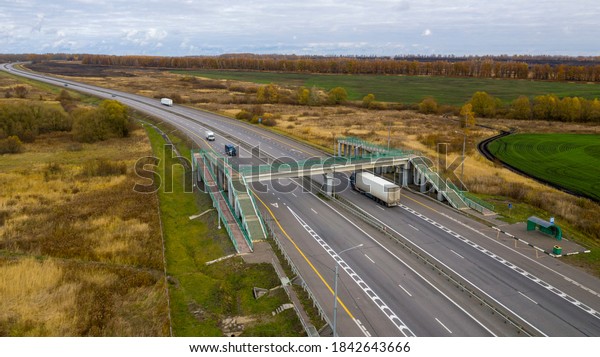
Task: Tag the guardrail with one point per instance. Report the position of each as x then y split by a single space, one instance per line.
295 270
471 290
478 201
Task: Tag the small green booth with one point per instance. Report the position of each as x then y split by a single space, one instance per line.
543 226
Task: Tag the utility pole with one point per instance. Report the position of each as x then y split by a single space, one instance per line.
333 135
335 290
462 164
389 134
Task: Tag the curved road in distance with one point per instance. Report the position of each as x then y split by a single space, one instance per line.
547 312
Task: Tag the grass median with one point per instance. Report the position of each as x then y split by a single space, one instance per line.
216 299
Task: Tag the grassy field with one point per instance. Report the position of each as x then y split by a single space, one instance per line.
40 90
204 297
79 250
411 89
568 160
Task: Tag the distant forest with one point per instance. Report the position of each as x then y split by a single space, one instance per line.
519 67
541 67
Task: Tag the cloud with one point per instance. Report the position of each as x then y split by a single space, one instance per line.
186 27
151 36
37 27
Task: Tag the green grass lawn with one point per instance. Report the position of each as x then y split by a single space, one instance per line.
201 296
411 89
569 160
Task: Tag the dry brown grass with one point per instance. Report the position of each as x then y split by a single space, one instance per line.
34 294
80 255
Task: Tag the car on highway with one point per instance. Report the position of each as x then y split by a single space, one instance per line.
230 150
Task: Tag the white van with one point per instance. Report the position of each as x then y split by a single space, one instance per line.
210 136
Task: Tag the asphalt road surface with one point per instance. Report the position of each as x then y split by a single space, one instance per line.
383 290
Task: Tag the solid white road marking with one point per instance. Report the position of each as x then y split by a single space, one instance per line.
444 326
457 254
403 262
510 265
521 254
372 261
357 279
528 298
406 291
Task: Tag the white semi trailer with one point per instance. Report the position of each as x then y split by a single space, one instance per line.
377 188
166 101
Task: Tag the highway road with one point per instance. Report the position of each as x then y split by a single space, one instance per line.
401 297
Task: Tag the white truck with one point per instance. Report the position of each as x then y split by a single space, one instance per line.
166 101
377 188
210 136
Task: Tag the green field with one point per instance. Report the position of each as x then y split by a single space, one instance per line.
412 89
568 160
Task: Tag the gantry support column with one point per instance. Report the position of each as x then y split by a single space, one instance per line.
328 183
405 173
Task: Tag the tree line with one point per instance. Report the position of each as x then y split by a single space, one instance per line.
22 121
472 67
542 107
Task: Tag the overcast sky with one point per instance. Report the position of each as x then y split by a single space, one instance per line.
324 27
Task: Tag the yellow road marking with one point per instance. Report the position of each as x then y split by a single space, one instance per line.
305 258
291 241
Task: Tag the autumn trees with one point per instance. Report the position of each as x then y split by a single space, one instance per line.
543 107
23 122
568 109
476 67
428 106
28 121
337 95
467 116
109 119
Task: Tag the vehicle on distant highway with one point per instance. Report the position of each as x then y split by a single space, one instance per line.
230 150
210 136
166 101
376 188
